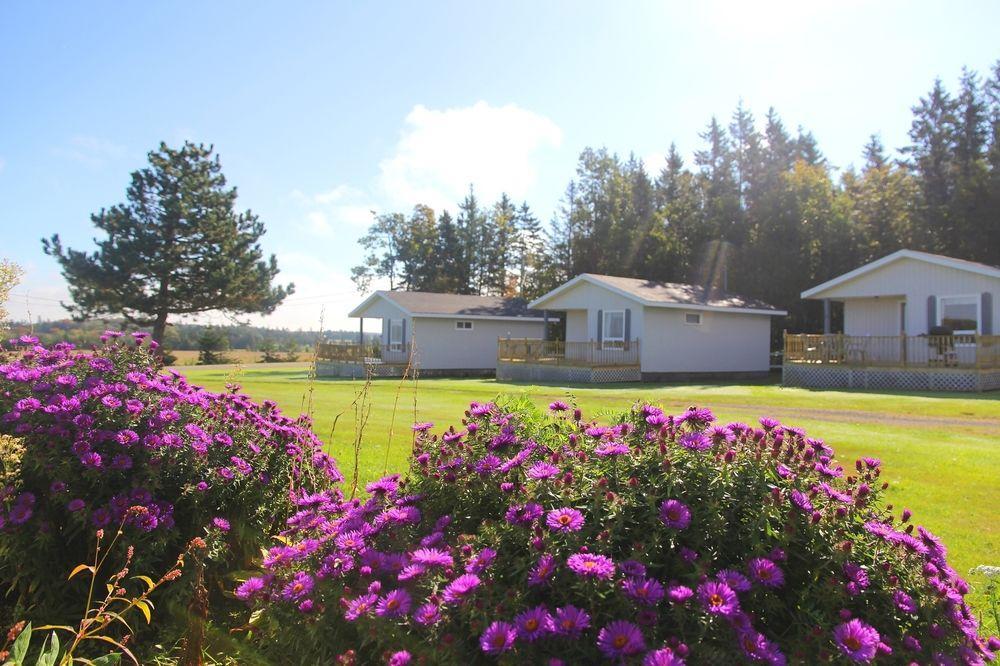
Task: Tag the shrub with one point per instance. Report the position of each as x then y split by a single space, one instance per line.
102 432
657 540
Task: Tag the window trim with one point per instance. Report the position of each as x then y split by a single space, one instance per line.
612 342
976 300
396 345
693 323
459 327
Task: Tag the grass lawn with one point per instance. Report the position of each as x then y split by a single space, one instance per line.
941 452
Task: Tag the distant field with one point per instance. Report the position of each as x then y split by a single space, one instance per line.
941 452
190 357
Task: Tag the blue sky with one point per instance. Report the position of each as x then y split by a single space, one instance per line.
324 111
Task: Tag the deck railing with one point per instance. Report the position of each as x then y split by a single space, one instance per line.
924 351
351 352
558 352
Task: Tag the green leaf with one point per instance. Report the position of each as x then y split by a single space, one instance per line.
112 659
20 649
50 651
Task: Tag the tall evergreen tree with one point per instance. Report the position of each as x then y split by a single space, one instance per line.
932 157
177 246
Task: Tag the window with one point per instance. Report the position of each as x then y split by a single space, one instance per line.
692 318
613 329
395 335
959 313
463 325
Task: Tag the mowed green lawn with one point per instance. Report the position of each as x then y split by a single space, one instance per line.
941 452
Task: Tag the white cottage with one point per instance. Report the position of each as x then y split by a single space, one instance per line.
447 334
628 329
912 320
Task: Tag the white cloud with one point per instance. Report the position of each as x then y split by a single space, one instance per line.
327 213
91 151
442 152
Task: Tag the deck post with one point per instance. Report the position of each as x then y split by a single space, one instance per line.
826 316
361 332
545 325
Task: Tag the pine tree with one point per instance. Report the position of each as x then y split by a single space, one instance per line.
176 247
450 257
719 187
932 157
470 222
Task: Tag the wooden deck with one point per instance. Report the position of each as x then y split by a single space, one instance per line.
981 352
575 354
349 352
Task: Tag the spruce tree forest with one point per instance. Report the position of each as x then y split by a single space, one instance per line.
760 211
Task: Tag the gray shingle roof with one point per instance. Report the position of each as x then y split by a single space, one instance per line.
682 294
426 302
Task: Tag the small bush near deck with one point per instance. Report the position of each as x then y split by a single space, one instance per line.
658 539
98 433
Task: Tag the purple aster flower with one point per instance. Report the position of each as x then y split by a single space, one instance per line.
482 560
695 441
558 406
718 598
678 594
543 570
571 621
697 416
394 604
76 505
498 638
427 614
612 448
422 427
720 434
675 514
401 658
758 648
542 470
589 565
646 591
565 520
769 424
801 501
620 639
221 523
300 585
250 588
20 514
856 575
857 640
360 606
127 437
662 657
734 579
632 568
534 623
904 602
431 557
523 514
460 589
766 572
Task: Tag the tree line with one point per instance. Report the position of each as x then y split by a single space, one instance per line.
760 212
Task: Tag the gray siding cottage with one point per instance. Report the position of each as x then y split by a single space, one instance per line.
628 329
453 334
912 320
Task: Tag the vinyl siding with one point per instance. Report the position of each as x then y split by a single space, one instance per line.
589 298
914 280
723 342
873 316
440 346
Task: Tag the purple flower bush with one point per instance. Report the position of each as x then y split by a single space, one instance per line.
658 539
103 431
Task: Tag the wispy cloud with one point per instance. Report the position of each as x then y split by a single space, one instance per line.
91 151
442 151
